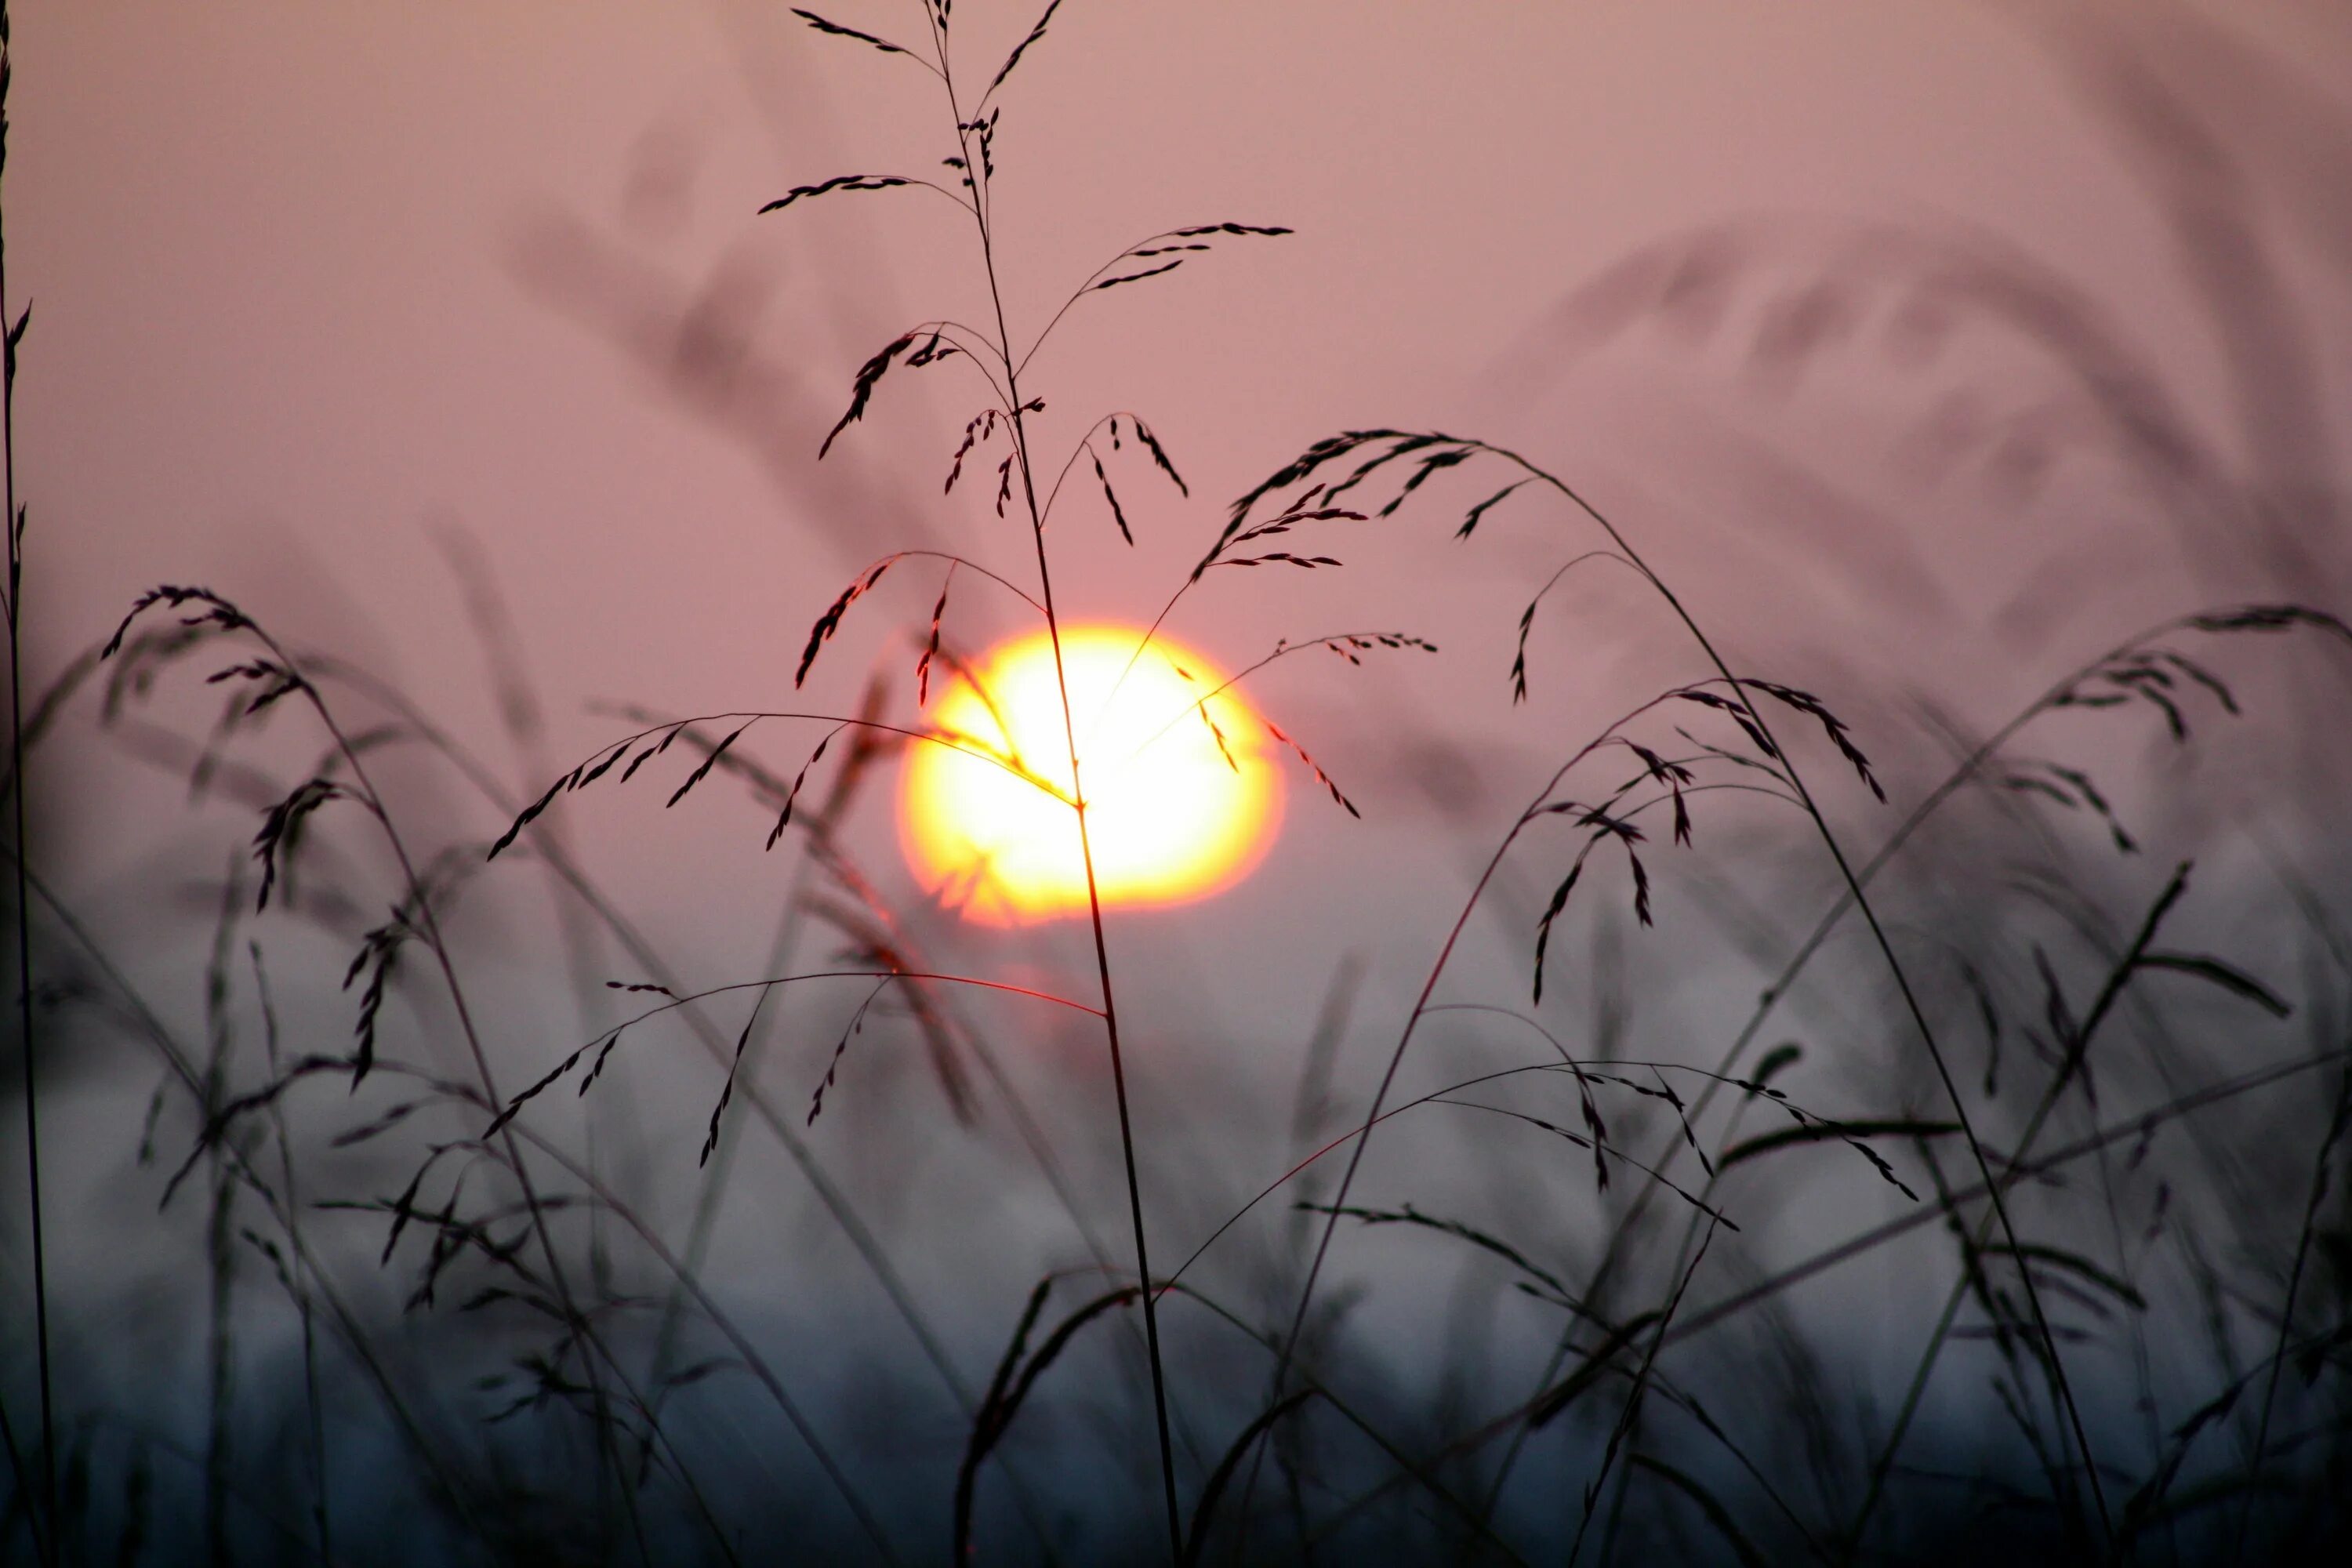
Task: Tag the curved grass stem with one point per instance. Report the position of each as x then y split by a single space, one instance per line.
1752 714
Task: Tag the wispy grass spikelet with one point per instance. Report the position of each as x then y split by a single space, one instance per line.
1111 495
838 183
994 1417
1314 767
702 770
830 622
281 828
931 646
726 1089
838 31
1021 48
784 818
856 1026
868 375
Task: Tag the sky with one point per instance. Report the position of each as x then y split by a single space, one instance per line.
341 307
383 322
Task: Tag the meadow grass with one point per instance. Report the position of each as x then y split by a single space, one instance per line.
463 1304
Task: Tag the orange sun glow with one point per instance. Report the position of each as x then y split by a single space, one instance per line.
1177 810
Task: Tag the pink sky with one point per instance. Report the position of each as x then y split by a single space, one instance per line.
311 280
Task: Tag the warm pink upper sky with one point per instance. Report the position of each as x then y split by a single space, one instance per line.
308 277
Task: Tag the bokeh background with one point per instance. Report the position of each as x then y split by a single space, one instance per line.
1925 350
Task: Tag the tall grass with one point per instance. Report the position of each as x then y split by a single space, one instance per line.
12 519
2025 1039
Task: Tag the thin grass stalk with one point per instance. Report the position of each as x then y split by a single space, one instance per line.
649 962
2137 1127
1621 1488
1854 1246
2142 1357
220 1250
2325 1025
825 850
315 1422
827 853
1633 1400
860 1236
13 522
1690 1407
714 1183
655 1435
430 926
520 714
979 211
722 1159
1778 990
2341 1115
1895 966
33 1521
1696 1322
179 1063
1374 1117
1423 1474
2011 1176
129 1549
2076 1052
1861 901
867 1519
1211 1490
1109 1017
593 1345
714 1188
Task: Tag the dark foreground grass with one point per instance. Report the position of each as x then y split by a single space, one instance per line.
2024 1235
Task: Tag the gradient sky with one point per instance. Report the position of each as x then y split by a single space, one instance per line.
314 284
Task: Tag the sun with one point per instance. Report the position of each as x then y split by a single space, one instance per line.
1183 796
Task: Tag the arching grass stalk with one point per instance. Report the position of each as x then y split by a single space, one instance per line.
572 878
650 963
1436 451
1536 810
1699 1321
2077 1049
179 1063
2339 1120
316 1432
2067 690
278 677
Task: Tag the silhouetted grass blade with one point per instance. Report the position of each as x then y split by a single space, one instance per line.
1111 496
1020 49
1219 1479
868 375
1159 457
1138 275
703 770
1470 522
837 30
838 183
995 1418
2213 971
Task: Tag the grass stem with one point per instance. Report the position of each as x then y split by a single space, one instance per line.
13 522
976 163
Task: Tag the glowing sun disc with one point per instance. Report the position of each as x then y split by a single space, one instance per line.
1177 810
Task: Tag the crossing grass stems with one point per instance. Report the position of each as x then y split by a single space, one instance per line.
1636 789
